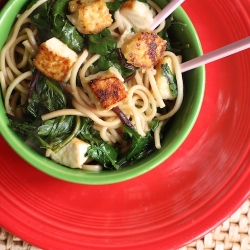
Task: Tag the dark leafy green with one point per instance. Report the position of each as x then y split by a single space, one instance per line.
99 150
115 5
47 95
112 59
40 15
58 132
104 154
141 146
171 79
102 43
171 45
138 141
23 128
56 128
154 124
51 20
107 155
88 133
162 3
63 29
65 130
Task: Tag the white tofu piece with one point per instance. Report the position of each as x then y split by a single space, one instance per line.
72 155
162 81
89 16
55 60
138 14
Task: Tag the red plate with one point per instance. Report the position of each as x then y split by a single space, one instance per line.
197 188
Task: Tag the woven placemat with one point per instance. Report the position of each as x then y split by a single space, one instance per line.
233 234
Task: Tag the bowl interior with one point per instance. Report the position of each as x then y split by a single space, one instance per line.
177 130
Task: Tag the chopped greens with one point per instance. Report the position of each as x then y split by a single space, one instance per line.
102 43
113 59
154 124
51 21
56 133
171 79
115 5
141 146
46 95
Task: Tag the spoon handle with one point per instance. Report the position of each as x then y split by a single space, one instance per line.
216 54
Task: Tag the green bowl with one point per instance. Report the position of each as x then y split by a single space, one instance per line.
178 129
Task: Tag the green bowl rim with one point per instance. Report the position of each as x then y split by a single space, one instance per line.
81 177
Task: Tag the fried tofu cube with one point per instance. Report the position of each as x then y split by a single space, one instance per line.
89 16
106 89
55 60
144 49
162 81
139 14
72 155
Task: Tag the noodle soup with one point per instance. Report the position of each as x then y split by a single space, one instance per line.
122 135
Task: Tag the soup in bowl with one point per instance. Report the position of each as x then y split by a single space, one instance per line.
120 134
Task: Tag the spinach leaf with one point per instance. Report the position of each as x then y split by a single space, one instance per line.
23 128
102 43
41 19
53 134
56 128
99 150
27 131
47 95
115 5
138 141
171 79
63 29
162 3
56 133
87 133
104 154
51 21
154 124
40 15
112 59
141 146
